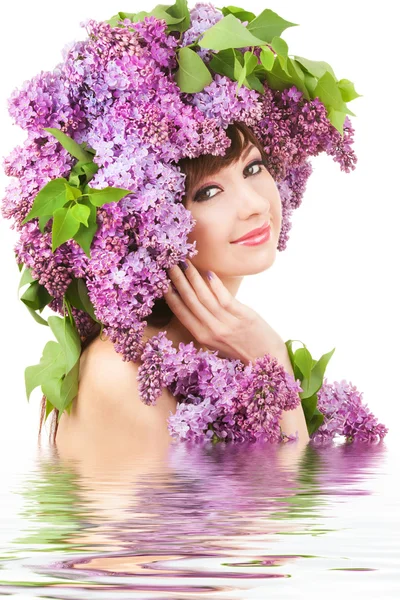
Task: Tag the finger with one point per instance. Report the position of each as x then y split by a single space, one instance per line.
225 298
204 292
185 315
189 297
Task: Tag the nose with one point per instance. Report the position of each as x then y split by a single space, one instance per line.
252 201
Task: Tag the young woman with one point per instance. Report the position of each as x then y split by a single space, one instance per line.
229 197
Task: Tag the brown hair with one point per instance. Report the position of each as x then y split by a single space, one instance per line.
195 170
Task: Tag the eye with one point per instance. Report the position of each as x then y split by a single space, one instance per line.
201 195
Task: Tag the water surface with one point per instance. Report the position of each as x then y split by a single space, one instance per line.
227 521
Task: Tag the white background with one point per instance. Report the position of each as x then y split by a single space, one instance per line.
336 284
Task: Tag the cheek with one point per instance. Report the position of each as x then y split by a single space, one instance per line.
209 232
276 204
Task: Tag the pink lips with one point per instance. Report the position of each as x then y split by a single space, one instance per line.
256 233
257 239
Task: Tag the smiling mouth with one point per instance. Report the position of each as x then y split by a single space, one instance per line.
260 231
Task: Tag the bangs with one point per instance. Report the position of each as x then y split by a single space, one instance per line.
206 165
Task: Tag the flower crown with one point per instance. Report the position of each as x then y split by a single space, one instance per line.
97 195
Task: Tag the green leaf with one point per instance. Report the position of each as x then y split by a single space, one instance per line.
347 90
316 378
228 33
52 364
223 63
317 68
36 296
37 317
51 388
250 61
240 13
192 75
278 79
69 144
84 235
280 46
267 25
77 295
82 173
81 213
84 296
72 192
90 169
64 228
177 16
254 83
303 360
113 21
297 373
50 198
69 387
320 367
315 422
106 195
310 82
159 12
267 58
180 11
337 118
26 278
309 405
329 93
237 64
68 338
348 112
229 62
241 78
43 220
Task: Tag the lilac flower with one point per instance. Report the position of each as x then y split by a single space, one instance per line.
216 396
346 415
115 92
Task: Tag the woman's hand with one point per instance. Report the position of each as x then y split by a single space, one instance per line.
217 319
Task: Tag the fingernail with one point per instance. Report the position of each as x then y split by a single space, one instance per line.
209 274
183 265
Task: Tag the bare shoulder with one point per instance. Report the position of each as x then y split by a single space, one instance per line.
108 407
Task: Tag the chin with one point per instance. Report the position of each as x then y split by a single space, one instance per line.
259 264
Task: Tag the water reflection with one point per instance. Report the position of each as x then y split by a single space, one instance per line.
224 521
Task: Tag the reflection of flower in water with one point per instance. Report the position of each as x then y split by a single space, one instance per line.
200 492
218 506
233 490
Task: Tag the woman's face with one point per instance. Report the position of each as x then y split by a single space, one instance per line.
228 205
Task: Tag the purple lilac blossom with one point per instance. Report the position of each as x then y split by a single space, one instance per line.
217 396
346 415
115 92
224 400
